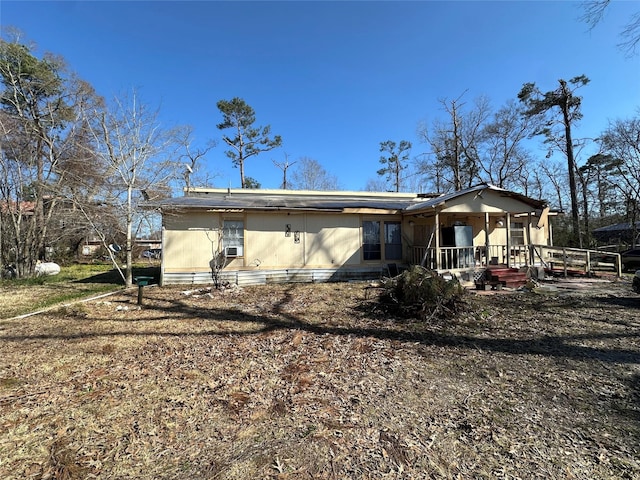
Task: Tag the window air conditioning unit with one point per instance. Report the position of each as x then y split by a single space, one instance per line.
234 251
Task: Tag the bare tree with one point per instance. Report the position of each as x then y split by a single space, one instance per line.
133 150
503 156
557 177
310 175
622 142
532 181
593 14
192 156
455 144
284 166
376 185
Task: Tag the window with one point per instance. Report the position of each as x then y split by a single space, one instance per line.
392 241
517 233
373 240
233 235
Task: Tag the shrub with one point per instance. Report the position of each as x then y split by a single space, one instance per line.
424 294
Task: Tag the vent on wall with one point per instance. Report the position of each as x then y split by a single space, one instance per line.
234 251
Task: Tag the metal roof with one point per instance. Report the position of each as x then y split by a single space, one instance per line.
443 199
219 199
618 227
283 202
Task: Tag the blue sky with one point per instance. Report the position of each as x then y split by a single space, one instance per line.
334 79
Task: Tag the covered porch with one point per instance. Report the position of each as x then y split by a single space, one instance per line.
486 227
476 228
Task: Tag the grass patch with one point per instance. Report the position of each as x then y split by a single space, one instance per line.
21 296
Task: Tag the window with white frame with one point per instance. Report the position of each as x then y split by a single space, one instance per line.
233 236
517 233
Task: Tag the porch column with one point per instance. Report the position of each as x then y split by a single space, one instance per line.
531 261
436 234
508 240
487 245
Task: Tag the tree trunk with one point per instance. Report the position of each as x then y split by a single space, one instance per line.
571 165
129 246
585 206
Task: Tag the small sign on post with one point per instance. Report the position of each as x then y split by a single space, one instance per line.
142 282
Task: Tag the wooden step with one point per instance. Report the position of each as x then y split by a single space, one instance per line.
505 276
509 276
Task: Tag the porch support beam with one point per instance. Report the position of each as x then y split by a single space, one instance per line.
528 241
508 216
487 245
437 239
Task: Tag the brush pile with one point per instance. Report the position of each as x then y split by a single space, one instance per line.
424 294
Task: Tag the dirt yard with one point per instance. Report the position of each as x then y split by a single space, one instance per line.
312 381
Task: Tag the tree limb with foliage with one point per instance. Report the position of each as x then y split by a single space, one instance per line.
39 124
394 161
246 141
554 127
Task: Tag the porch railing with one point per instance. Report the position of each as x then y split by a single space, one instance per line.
469 257
567 260
552 258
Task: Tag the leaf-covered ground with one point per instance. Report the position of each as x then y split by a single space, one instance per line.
313 381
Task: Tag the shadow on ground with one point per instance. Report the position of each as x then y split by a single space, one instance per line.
113 276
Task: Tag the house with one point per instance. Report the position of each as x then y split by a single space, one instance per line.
620 233
263 236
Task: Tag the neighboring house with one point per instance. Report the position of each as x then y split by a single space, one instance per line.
263 236
92 246
620 233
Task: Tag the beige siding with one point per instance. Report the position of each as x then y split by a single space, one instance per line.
267 243
190 240
190 250
539 236
490 201
333 240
